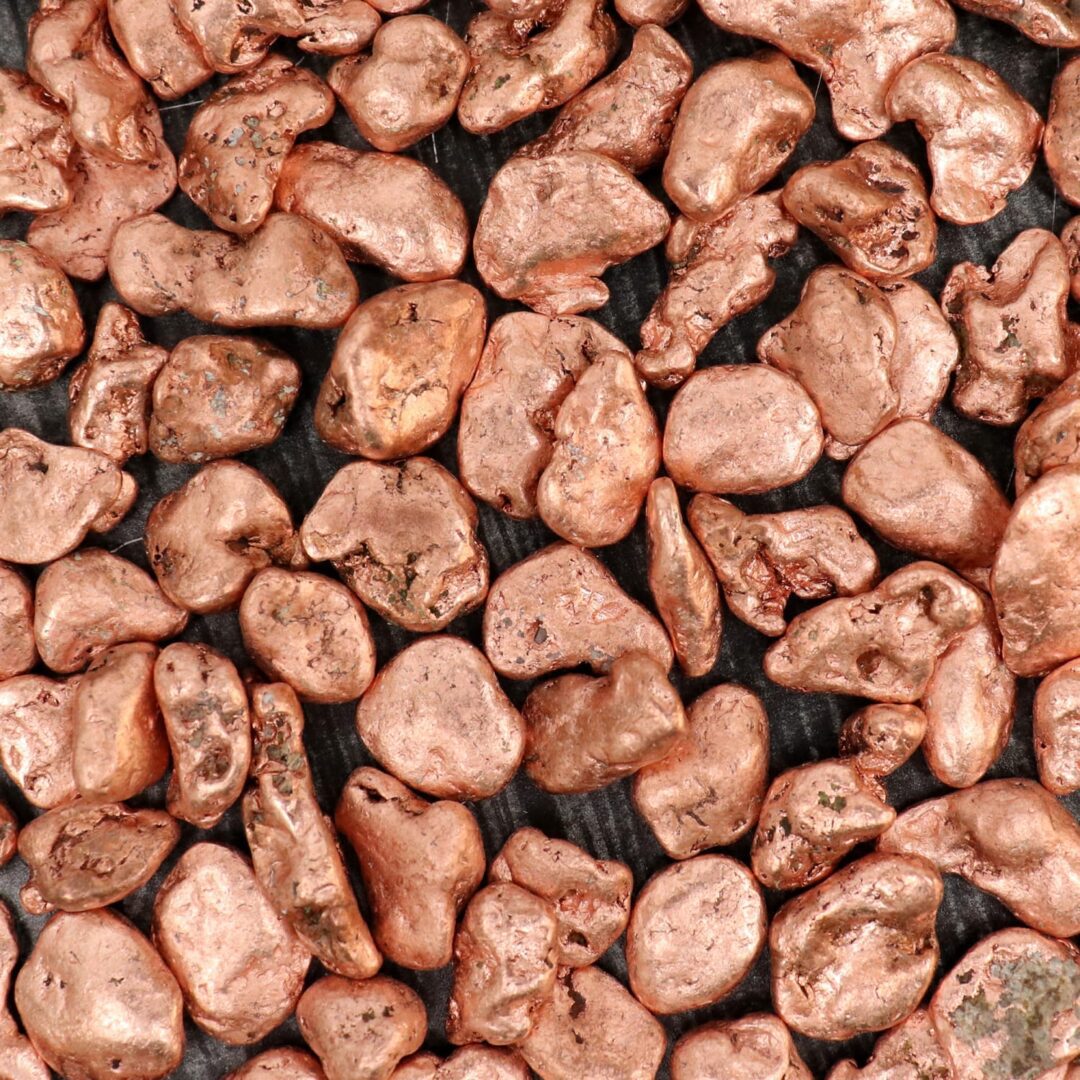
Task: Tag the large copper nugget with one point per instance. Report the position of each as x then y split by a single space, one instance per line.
18 1058
695 930
158 46
1061 140
208 539
739 123
400 366
237 141
205 708
857 952
337 27
1050 436
754 1047
235 34
880 738
383 209
551 226
18 650
85 856
882 644
294 849
718 271
910 1051
36 729
981 136
240 966
408 87
420 863
1056 729
505 952
506 428
436 717
707 791
97 1001
761 560
561 607
285 1063
740 429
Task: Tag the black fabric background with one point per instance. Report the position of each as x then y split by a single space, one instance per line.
804 727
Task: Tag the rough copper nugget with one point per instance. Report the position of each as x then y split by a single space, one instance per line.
18 650
880 738
409 85
205 708
234 35
97 1001
158 46
910 1051
1070 237
436 717
86 856
1061 140
420 863
18 1058
1050 436
383 209
551 226
337 27
754 1047
740 122
761 560
399 368
36 726
1056 729
285 1063
474 1062
641 12
981 136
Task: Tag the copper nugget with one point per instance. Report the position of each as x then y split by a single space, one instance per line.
18 650
236 34
1056 729
479 1062
158 46
1061 140
1050 436
754 1047
1047 22
36 730
641 12
19 1060
337 27
880 738
910 1051
285 1063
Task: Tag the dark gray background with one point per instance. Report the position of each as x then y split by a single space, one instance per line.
804 727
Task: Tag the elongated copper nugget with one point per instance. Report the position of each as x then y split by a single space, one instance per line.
880 738
18 650
1056 729
761 560
205 708
754 1047
36 730
1047 22
420 863
1061 139
1050 436
293 846
158 46
285 1063
236 34
718 270
19 1060
910 1051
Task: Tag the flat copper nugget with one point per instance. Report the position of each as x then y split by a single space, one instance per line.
205 707
738 124
97 1001
880 738
1008 1008
521 65
660 12
587 732
420 863
1061 140
1011 322
238 139
695 930
42 328
882 644
761 560
628 115
506 426
857 48
561 607
812 817
240 966
36 727
910 1051
18 651
408 87
383 209
1056 729
981 136
505 951
285 1063
361 1030
754 1047
436 717
158 46
551 226
1050 436
1047 22
35 147
18 1058
235 34
337 27
741 429
86 856
217 396
399 368
91 600
293 846
208 539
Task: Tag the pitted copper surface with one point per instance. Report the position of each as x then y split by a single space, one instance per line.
158 46
18 650
754 1047
36 730
337 27
910 1051
1056 729
236 34
880 738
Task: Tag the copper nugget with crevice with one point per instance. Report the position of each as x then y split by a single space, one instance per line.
158 46
880 738
18 650
337 27
36 730
19 1060
1056 729
285 1063
236 34
1061 139
754 1047
1050 436
910 1051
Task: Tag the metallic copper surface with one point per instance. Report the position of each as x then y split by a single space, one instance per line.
285 1063
474 1062
1050 436
1047 22
294 849
981 136
408 86
158 46
18 650
754 1047
739 123
383 209
119 508
660 12
337 27
882 644
910 1051
436 717
399 368
880 738
761 560
288 272
695 930
561 607
1061 139
586 732
97 1001
9 837
1011 324
205 708
424 1066
740 429
36 728
857 952
420 863
551 226
235 34
812 817
1056 729
707 791
18 1058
